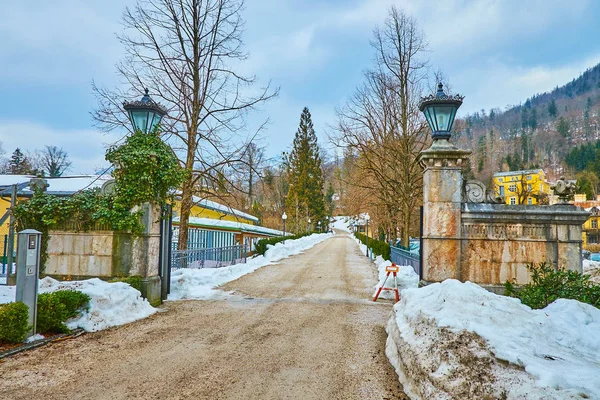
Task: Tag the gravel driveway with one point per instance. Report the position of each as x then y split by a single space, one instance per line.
302 329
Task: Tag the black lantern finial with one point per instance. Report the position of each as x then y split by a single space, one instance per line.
440 110
144 114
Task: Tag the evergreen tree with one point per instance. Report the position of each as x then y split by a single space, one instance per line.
19 164
552 110
563 127
305 196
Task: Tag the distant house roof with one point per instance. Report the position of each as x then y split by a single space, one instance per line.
522 172
217 224
62 186
212 205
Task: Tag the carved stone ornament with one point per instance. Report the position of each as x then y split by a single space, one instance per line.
474 192
564 190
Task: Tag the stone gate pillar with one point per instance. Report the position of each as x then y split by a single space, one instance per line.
442 197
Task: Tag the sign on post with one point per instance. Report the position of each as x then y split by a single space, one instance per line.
28 267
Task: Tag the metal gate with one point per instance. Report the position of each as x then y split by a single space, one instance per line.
412 255
164 255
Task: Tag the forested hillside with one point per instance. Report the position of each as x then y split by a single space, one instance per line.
538 133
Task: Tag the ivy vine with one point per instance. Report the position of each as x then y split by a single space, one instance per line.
146 170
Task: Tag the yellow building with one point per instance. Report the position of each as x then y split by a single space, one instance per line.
521 187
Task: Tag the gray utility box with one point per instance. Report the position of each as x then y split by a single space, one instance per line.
28 271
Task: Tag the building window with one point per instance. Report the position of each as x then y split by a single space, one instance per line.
513 200
529 187
529 177
592 239
541 188
595 224
501 190
512 188
529 200
499 179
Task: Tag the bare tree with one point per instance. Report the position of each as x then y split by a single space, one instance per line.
381 122
186 52
53 161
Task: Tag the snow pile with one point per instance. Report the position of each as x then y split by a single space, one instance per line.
592 268
342 224
111 304
447 340
7 294
188 283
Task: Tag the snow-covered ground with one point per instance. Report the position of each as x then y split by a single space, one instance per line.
341 223
592 268
189 283
111 304
446 341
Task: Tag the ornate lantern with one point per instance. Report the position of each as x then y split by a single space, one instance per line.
440 110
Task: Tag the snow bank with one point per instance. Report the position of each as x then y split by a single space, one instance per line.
455 340
592 268
188 283
111 304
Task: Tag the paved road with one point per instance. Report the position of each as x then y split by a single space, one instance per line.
301 329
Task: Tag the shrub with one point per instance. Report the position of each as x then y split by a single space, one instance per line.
261 245
13 322
379 247
133 281
55 308
549 284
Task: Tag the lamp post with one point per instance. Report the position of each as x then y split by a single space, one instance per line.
440 110
284 217
367 218
319 223
145 113
308 226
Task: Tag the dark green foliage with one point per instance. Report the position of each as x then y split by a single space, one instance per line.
133 281
585 157
549 284
552 110
305 198
261 245
379 247
19 164
146 169
57 307
13 322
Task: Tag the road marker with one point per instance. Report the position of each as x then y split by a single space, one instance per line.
390 269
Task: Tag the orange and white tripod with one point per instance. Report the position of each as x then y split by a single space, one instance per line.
390 269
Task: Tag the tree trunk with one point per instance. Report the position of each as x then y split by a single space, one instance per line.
184 216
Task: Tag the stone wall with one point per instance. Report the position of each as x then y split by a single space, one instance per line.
499 240
108 254
483 242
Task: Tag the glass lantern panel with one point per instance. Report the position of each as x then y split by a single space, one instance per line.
140 119
430 118
155 120
444 116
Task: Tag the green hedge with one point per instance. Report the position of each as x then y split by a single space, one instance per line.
261 245
13 322
379 247
57 307
549 284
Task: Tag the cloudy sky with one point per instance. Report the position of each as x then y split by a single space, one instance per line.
495 52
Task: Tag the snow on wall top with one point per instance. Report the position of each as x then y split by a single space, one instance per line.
240 226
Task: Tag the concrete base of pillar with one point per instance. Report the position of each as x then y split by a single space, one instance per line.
151 290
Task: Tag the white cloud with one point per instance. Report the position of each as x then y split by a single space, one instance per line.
86 147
